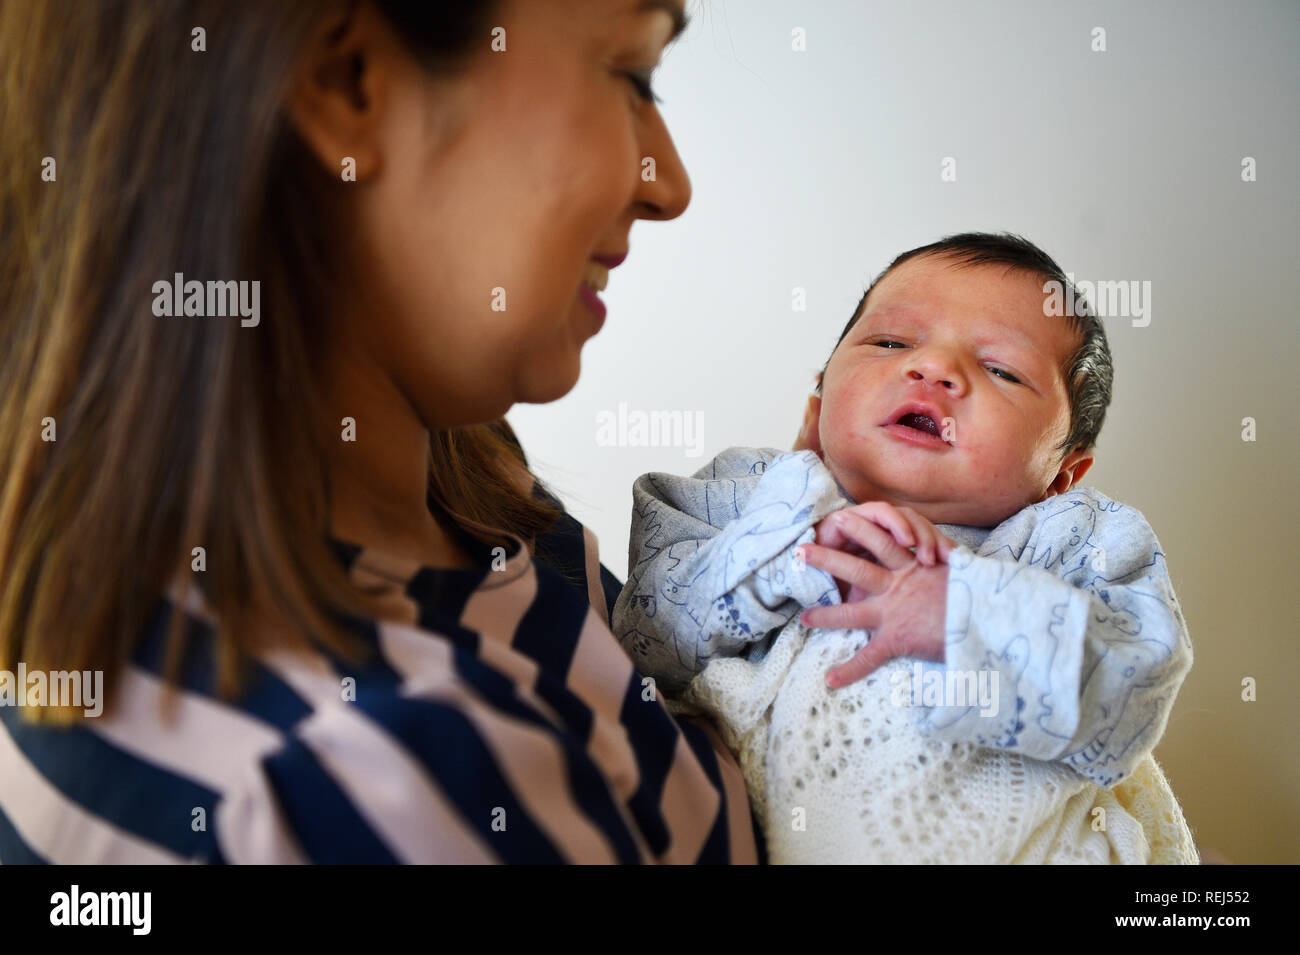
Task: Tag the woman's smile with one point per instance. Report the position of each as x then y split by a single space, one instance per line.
594 279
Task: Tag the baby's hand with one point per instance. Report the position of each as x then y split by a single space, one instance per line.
845 530
903 606
886 588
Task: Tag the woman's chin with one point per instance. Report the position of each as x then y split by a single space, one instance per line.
550 384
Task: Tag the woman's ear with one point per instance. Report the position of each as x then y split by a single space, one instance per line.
809 438
335 95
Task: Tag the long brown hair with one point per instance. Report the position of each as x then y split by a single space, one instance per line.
130 439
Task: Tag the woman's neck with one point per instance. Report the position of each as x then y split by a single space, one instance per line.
379 468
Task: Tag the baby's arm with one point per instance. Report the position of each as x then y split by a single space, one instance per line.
710 563
1072 605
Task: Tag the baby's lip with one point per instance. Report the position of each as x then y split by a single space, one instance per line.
934 413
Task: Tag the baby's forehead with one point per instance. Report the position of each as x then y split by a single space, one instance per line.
988 301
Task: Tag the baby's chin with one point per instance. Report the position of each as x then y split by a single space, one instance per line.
932 496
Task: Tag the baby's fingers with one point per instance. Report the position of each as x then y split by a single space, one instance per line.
886 516
862 615
878 541
857 571
866 661
927 548
931 545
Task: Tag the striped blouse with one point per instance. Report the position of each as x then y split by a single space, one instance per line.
498 720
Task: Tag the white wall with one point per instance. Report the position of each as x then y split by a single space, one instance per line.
815 168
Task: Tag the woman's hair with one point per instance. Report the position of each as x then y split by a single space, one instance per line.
129 440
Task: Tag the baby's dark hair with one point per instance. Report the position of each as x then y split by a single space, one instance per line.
1089 373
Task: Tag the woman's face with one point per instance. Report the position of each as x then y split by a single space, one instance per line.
485 198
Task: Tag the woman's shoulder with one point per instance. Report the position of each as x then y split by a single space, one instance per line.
495 719
527 733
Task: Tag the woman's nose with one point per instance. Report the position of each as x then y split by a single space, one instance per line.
664 188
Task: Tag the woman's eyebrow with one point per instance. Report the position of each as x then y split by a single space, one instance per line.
671 7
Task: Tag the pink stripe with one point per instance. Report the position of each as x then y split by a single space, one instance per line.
599 675
595 592
744 851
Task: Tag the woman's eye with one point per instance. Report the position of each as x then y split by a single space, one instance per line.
1002 373
641 79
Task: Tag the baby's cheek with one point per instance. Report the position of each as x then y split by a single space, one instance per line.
998 477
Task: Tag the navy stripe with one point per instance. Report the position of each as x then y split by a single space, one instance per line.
108 782
13 851
649 724
264 695
550 628
717 849
328 827
445 592
374 674
549 633
492 685
612 587
564 549
411 723
465 769
590 790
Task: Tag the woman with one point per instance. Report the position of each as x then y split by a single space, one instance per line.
370 665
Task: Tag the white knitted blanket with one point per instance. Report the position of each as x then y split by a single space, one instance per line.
844 776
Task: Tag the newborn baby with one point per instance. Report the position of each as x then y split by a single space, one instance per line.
925 642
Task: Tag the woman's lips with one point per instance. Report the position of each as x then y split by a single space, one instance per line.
592 301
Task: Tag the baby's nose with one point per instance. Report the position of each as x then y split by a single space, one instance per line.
934 377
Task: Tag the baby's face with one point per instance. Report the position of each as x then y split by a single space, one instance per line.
969 348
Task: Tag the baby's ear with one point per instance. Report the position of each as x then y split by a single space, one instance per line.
809 438
1074 466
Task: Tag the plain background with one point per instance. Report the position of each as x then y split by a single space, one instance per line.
813 169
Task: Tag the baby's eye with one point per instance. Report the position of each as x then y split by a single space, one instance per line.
889 343
1003 373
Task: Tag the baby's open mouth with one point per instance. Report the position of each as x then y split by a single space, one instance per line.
920 422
